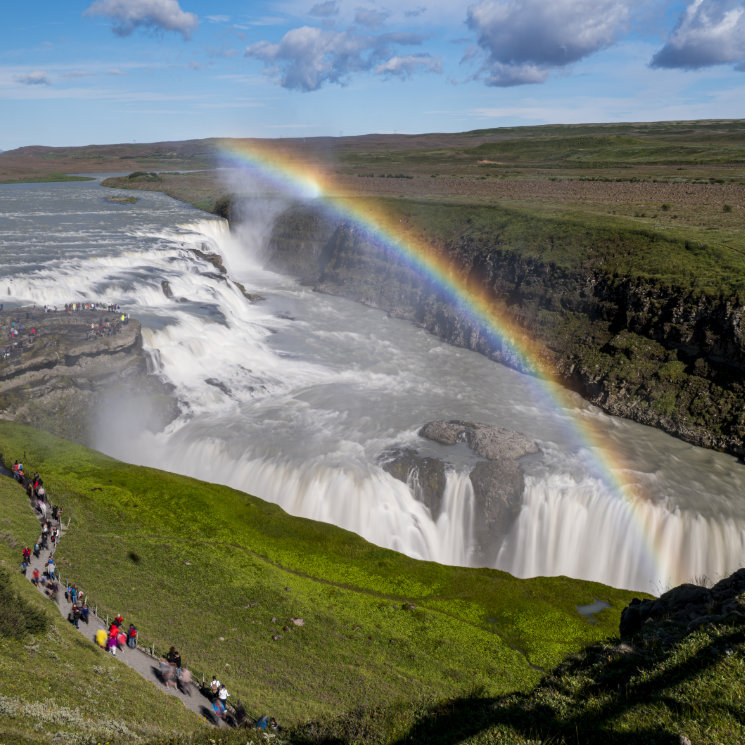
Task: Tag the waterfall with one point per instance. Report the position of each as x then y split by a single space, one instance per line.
295 398
578 530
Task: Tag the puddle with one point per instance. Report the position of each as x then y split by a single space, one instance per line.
594 607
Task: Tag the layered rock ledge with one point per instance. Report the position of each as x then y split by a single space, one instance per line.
58 370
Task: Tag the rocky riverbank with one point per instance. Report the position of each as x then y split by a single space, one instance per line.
662 355
63 376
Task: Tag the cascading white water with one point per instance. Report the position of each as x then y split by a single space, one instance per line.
295 398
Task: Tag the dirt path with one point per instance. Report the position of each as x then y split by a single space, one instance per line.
138 659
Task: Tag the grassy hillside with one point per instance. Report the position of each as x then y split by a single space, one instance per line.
55 681
608 694
220 574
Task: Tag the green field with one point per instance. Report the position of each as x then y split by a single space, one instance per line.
220 573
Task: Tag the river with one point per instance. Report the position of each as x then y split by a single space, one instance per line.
295 398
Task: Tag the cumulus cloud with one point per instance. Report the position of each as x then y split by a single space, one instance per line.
127 15
405 67
325 10
372 19
34 78
521 41
307 57
709 32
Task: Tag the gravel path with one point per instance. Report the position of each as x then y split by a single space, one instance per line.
139 660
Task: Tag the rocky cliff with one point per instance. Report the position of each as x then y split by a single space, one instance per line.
637 347
63 376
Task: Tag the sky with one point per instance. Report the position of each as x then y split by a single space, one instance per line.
109 71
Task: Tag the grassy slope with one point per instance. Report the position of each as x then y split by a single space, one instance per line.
208 568
605 695
59 682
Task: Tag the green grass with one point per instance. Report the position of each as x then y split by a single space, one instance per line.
46 178
574 242
55 681
605 695
207 568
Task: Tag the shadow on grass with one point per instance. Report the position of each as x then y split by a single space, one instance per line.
585 699
605 696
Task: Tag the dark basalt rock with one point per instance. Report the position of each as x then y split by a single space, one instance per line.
498 486
684 609
426 476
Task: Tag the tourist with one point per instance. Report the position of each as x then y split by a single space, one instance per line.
223 694
132 636
35 576
174 658
184 681
84 611
112 642
214 686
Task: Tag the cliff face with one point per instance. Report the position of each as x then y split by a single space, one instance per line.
635 347
62 377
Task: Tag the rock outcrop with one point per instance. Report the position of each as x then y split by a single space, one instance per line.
497 480
59 378
684 609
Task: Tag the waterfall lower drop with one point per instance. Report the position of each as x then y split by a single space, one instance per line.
360 498
577 530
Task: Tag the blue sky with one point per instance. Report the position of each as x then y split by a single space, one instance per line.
104 71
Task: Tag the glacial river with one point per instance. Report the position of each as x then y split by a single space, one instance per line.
295 398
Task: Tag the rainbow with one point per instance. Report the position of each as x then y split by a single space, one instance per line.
285 172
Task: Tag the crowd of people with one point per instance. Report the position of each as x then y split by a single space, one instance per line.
18 338
173 672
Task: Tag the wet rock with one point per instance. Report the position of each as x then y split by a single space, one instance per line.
425 476
165 285
490 442
218 384
498 487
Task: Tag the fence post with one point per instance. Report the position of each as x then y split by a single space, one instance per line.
152 649
107 619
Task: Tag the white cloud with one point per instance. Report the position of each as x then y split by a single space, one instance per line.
307 57
405 67
218 19
128 15
326 9
709 32
34 78
372 19
522 41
